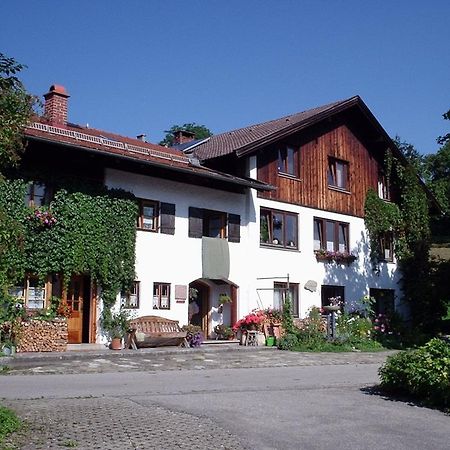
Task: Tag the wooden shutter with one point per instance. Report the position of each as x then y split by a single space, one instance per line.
167 218
234 228
195 222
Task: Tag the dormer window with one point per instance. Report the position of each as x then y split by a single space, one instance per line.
288 161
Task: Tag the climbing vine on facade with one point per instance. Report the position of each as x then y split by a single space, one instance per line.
408 221
78 232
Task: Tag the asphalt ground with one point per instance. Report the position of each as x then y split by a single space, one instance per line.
218 397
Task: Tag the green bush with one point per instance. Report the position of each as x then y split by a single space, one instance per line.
287 342
423 373
9 423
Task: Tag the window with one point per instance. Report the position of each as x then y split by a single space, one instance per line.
331 236
209 223
288 161
161 296
214 224
32 293
130 298
338 173
329 292
37 195
384 190
384 301
278 228
148 215
281 291
155 216
386 249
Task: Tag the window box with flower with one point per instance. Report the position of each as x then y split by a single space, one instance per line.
337 257
43 218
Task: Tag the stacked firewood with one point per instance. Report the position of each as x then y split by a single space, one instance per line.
43 336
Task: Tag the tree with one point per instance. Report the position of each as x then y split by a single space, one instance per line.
411 154
16 108
200 132
442 140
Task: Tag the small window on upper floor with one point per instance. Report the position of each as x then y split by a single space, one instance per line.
148 215
331 236
384 190
288 161
156 216
38 194
386 247
215 224
278 229
338 174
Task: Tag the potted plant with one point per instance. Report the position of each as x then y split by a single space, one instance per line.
117 325
223 300
8 348
223 332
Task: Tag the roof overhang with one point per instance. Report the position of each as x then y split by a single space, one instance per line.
190 170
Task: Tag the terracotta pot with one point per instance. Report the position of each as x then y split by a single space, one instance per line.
116 344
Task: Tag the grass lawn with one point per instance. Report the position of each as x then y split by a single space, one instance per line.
9 423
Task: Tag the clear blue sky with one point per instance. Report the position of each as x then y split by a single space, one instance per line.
140 66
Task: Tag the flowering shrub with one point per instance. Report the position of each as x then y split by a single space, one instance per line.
223 331
194 335
43 218
381 325
338 257
273 315
352 327
254 320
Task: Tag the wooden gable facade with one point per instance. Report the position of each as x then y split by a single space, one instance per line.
317 151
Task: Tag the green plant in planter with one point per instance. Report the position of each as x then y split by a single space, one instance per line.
116 324
223 332
224 299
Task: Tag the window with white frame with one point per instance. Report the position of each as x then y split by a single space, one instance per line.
161 295
129 299
31 292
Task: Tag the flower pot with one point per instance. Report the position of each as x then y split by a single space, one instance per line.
116 344
260 338
331 308
270 341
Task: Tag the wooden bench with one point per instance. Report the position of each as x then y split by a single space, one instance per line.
154 331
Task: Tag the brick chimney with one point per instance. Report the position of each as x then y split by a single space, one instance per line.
182 136
55 108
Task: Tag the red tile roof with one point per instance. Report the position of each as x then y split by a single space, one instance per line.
114 144
238 140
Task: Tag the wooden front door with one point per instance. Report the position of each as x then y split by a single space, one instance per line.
74 299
